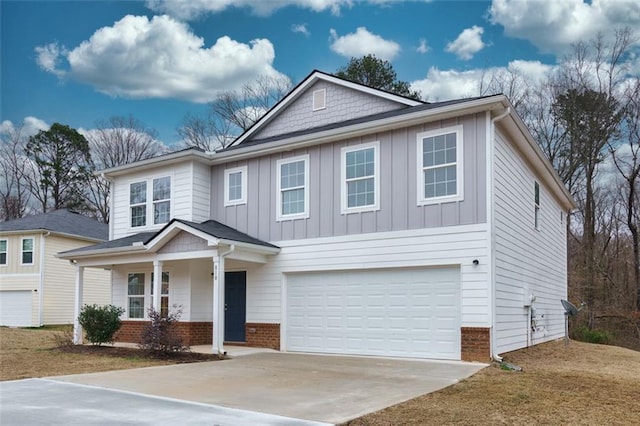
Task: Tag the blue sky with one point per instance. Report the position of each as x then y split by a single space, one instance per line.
83 61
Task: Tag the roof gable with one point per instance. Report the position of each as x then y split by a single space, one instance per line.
344 100
62 222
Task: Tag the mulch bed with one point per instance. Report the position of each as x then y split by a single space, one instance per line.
121 352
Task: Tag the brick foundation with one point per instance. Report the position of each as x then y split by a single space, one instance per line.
475 344
193 333
262 335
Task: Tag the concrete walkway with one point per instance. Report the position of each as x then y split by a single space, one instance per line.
320 388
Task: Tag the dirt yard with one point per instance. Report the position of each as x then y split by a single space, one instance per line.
576 384
26 353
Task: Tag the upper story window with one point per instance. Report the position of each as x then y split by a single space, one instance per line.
536 208
293 188
3 252
440 165
319 99
235 186
27 251
150 197
360 170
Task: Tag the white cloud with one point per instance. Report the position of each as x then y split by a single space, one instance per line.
30 126
468 43
423 47
191 9
48 58
161 58
361 43
300 28
553 26
441 85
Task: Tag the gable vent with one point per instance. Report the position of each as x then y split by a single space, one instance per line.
319 99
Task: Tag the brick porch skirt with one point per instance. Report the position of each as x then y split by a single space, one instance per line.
200 333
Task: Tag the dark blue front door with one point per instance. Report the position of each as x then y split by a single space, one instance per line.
235 306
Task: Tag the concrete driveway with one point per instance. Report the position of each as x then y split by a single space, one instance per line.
319 388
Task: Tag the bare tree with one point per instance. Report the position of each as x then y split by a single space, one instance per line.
114 142
14 170
231 113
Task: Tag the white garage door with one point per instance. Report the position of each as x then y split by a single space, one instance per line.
400 312
15 308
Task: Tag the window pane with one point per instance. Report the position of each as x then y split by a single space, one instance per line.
440 182
293 201
235 186
361 192
138 216
3 245
536 193
450 155
27 244
136 307
135 284
138 193
162 188
292 175
27 257
3 258
161 212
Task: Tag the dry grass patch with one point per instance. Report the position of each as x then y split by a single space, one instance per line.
27 353
578 384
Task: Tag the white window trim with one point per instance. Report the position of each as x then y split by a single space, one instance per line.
343 178
149 202
148 297
6 240
536 206
305 213
33 250
324 98
459 196
243 199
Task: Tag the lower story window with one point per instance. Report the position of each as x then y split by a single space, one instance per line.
135 291
164 293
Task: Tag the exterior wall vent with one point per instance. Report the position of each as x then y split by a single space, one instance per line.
319 99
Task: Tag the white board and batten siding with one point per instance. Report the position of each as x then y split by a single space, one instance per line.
528 261
190 195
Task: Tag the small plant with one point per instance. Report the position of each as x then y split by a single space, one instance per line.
593 336
64 337
162 334
100 322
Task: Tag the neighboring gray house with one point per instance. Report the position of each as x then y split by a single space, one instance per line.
348 220
36 288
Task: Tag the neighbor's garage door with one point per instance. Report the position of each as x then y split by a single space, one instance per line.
15 308
402 312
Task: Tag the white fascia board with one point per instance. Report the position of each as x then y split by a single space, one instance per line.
314 77
250 247
164 160
56 233
331 135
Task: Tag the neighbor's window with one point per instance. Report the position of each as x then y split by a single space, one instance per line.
135 292
161 200
536 199
138 203
3 252
235 186
440 165
360 169
293 183
164 293
27 251
150 198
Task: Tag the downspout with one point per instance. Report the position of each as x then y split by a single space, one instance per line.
491 220
41 283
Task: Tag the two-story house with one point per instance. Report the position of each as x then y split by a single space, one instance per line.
348 220
36 288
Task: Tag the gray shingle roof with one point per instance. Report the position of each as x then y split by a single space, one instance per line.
61 221
120 242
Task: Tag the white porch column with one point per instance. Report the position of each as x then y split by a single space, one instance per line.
77 328
157 284
218 305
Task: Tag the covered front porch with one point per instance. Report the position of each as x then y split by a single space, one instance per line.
200 269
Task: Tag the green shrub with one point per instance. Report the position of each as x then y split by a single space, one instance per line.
100 322
593 336
161 334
